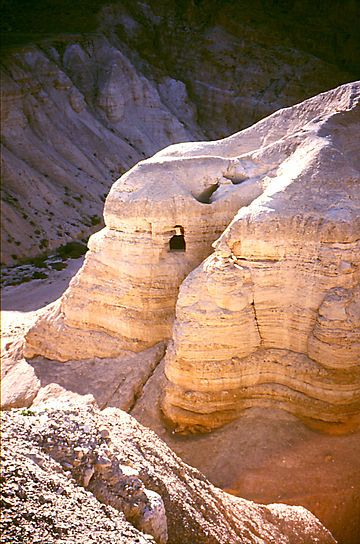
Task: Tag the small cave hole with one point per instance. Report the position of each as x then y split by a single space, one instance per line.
177 242
205 196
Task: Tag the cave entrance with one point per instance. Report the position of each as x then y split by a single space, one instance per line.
177 242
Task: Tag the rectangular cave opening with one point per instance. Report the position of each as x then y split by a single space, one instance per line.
177 242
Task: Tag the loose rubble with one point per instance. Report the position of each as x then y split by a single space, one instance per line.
60 461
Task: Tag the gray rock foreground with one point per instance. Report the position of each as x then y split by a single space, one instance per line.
71 473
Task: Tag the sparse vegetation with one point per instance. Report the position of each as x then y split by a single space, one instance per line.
72 250
43 243
39 275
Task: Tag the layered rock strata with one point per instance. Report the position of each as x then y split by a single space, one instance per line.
273 316
76 113
78 110
123 298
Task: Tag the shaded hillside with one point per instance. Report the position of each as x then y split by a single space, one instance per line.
325 29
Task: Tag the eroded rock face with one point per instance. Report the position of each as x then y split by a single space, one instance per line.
272 317
123 298
236 64
76 113
147 494
78 110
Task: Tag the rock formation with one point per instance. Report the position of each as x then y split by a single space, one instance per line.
268 455
78 110
123 298
117 481
271 319
247 300
76 114
273 316
239 63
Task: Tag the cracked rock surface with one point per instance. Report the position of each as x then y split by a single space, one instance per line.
80 108
272 317
73 472
41 502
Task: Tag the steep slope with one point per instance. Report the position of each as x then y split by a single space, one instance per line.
272 317
75 115
231 315
240 62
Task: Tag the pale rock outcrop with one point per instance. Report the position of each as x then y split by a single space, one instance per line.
78 110
123 298
272 317
116 381
256 321
109 458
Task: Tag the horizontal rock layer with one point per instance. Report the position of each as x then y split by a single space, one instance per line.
78 110
123 297
273 317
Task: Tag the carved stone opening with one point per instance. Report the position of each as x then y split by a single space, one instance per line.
177 242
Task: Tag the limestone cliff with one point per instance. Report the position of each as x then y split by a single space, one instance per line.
89 92
123 298
272 317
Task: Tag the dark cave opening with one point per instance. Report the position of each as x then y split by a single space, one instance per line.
177 242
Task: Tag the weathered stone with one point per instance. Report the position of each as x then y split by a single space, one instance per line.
172 501
80 109
245 333
272 317
75 115
19 382
123 297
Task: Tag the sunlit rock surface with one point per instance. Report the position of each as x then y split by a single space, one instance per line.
123 298
123 484
273 316
80 109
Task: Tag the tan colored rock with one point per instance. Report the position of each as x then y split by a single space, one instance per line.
115 382
123 298
272 317
19 386
79 110
268 455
